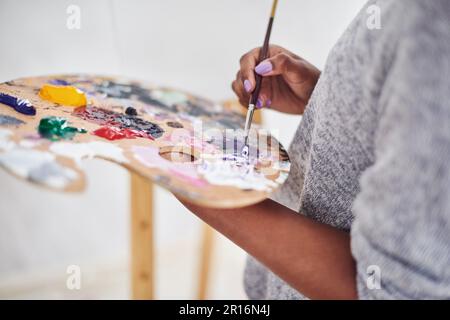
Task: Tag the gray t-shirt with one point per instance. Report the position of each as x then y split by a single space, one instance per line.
372 153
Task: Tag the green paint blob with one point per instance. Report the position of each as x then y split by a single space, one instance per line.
56 128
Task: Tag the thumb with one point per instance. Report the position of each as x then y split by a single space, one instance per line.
281 64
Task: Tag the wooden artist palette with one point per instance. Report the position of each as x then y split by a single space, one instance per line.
186 144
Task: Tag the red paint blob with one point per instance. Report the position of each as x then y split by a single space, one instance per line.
114 133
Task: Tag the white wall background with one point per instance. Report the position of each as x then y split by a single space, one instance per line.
194 45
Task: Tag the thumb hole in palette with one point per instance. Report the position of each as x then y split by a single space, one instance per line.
178 153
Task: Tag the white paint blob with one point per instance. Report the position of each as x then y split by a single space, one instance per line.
282 165
235 174
38 166
29 143
22 161
53 174
282 177
5 142
169 97
149 156
79 151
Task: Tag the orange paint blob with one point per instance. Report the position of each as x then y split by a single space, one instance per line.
63 95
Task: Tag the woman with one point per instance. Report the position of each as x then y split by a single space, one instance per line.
370 176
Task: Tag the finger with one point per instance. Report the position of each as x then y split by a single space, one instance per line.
281 64
242 100
248 63
264 98
263 102
241 91
265 95
238 89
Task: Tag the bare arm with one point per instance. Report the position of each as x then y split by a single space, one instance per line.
312 257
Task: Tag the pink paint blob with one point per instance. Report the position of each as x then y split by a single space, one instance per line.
186 171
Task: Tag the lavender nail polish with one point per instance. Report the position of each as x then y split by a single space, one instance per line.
268 103
263 68
247 85
259 103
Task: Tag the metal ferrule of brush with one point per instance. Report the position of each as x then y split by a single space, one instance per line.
248 120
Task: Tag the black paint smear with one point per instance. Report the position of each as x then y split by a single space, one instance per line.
112 118
131 111
196 107
130 91
174 124
196 110
13 83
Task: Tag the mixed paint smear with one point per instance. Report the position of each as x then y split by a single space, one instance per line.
141 127
149 156
6 120
174 124
56 128
59 82
224 170
231 172
35 165
232 144
20 105
172 102
38 166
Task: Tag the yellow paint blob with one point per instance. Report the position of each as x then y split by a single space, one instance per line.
64 95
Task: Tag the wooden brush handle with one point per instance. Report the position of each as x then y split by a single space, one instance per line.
263 55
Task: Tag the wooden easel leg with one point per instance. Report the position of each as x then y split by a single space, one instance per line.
205 260
142 262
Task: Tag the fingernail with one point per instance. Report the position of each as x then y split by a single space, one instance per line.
268 102
247 85
263 68
259 103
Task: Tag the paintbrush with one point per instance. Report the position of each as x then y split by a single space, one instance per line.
263 54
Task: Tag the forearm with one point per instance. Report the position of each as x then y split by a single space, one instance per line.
313 258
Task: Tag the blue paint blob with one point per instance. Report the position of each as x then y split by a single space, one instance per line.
20 105
9 121
59 82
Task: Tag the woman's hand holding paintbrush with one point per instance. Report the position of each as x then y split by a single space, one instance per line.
287 84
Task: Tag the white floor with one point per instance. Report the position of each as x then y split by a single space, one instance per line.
176 276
